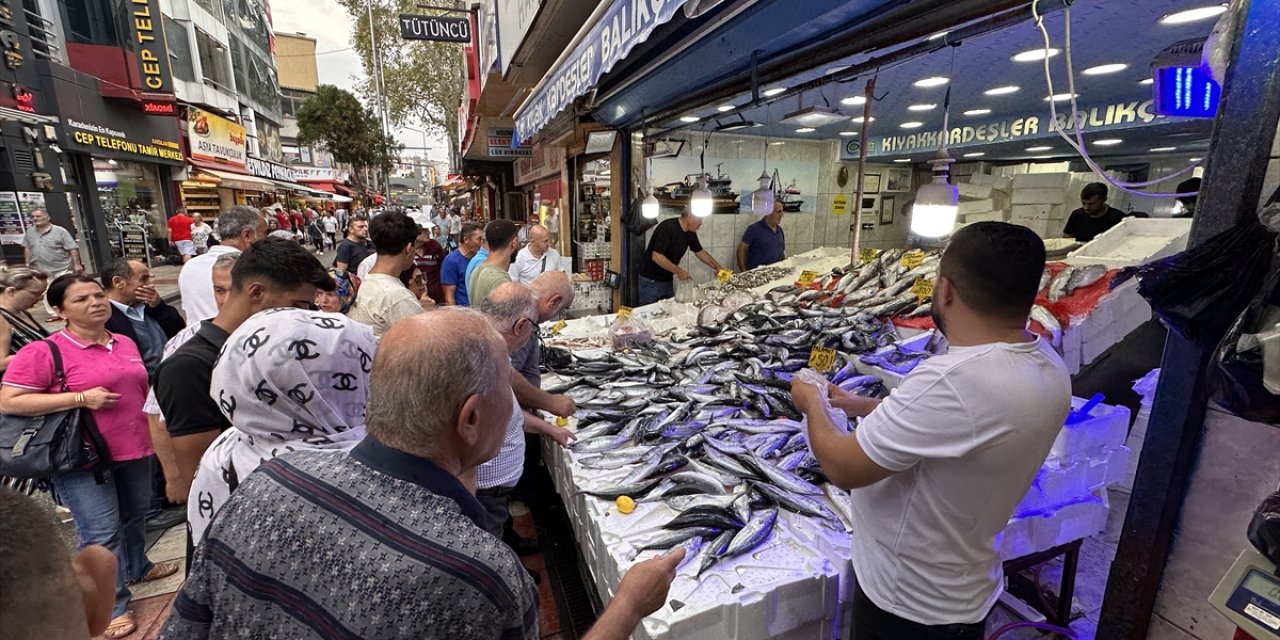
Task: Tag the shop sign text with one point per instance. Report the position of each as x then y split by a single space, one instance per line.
213 138
107 139
416 27
273 170
148 40
1111 116
500 145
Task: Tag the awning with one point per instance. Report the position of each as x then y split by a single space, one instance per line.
328 186
301 188
607 37
239 180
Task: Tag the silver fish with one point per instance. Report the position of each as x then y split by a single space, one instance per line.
1058 287
785 479
753 533
1050 324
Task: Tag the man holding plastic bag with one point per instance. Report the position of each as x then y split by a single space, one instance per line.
937 468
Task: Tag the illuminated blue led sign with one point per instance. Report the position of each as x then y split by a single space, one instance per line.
1187 92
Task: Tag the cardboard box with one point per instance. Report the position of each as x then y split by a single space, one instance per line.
1057 181
1038 196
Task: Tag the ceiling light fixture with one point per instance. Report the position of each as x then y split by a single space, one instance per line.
814 116
1108 142
774 91
937 204
975 154
1035 149
903 160
858 119
805 130
911 125
725 107
689 119
1192 15
1163 149
1197 159
935 81
977 112
1000 91
777 142
1104 69
650 207
854 101
922 107
1061 97
1035 55
762 198
848 133
937 35
1146 81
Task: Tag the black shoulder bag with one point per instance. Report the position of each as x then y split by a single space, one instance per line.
52 444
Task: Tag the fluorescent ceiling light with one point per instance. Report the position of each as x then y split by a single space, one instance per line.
854 100
976 154
911 125
689 118
1035 149
937 35
1192 15
1104 69
977 112
1035 55
1146 81
725 107
776 143
1197 159
834 70
903 160
1000 91
1061 97
1108 142
848 133
813 117
805 130
774 91
921 107
859 119
1163 149
935 81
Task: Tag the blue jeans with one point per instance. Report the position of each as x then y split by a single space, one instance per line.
652 291
114 515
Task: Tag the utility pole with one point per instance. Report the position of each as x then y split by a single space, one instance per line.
380 93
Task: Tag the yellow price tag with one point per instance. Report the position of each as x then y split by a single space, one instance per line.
923 288
866 256
822 359
624 312
807 277
558 327
913 258
723 276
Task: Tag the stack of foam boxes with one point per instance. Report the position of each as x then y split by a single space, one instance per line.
1146 387
1041 202
1068 499
984 198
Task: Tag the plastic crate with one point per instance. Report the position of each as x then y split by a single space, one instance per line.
1135 241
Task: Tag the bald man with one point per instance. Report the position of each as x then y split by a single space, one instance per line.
536 258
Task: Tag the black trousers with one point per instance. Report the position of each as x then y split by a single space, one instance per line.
870 622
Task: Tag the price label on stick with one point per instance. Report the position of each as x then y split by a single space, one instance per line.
913 258
822 359
866 256
723 276
923 288
807 277
624 312
558 327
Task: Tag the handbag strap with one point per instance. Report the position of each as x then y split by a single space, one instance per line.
58 373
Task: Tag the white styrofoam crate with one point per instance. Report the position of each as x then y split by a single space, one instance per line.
1106 428
1057 181
1037 212
1036 196
985 216
999 183
975 191
1134 241
976 206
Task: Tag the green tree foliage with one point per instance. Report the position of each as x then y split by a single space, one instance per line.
334 118
423 80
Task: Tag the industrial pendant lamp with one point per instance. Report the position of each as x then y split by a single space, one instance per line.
650 206
762 198
938 203
700 202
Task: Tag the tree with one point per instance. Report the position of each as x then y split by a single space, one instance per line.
350 131
424 81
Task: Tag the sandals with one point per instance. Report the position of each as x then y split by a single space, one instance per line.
159 571
121 626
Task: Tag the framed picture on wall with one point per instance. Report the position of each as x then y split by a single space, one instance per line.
887 204
871 184
897 180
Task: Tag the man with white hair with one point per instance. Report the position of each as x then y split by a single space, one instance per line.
238 227
536 258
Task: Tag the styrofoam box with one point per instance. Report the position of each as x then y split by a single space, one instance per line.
1106 428
1056 181
1134 241
999 183
1057 483
1038 212
985 216
974 191
1037 196
1042 228
976 206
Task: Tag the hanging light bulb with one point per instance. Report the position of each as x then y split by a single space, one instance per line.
649 208
762 198
937 204
700 202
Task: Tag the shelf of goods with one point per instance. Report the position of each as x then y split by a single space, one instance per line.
202 200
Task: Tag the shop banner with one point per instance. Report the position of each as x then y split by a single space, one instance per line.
440 29
12 222
215 139
500 145
147 29
270 170
544 161
622 26
318 174
111 142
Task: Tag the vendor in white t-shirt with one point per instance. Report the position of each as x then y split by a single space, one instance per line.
536 258
937 468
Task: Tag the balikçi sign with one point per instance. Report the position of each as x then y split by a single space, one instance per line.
440 29
623 25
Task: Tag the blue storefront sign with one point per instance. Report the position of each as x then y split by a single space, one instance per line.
622 26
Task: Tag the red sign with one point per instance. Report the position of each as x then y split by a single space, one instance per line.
154 108
26 101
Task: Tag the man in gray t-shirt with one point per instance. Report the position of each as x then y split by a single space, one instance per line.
50 248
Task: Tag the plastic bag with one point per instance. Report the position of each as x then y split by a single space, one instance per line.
836 416
1244 380
1199 293
1264 528
627 332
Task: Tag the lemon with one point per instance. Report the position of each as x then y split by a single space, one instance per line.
562 421
625 504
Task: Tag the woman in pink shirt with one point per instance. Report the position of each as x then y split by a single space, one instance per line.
105 373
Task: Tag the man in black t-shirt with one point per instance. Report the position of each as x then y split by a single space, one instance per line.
1094 215
355 247
660 264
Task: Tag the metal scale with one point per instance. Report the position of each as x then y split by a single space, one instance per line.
1249 595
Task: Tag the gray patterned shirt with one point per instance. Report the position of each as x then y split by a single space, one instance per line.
373 544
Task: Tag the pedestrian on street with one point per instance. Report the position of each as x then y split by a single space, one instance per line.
501 236
238 228
455 228
137 311
105 374
330 225
180 234
428 258
50 249
20 289
200 234
354 248
536 258
453 276
384 299
438 404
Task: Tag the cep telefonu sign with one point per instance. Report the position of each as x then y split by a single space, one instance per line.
147 28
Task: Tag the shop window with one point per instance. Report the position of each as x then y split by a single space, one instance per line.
129 193
44 39
214 7
238 63
90 22
214 65
175 35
